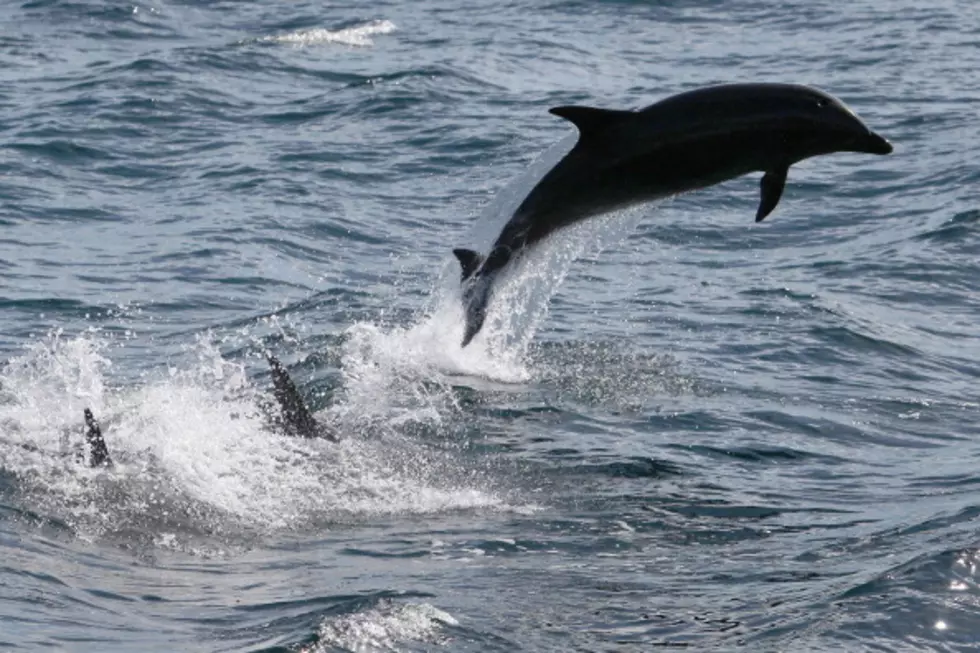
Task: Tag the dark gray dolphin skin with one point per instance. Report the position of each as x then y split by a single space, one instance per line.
294 418
98 455
686 142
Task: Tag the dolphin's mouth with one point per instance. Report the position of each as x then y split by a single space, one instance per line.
874 144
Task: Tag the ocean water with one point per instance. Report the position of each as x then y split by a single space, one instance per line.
681 429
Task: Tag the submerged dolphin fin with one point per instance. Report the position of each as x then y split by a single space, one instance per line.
772 185
590 120
296 417
98 451
469 260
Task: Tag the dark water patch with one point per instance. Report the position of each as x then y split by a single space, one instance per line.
74 214
963 481
942 275
255 283
930 533
83 13
248 63
341 229
506 413
231 170
135 117
966 367
934 594
695 420
721 510
957 229
849 338
296 117
634 467
369 553
61 151
141 171
147 65
950 571
49 305
779 293
47 525
682 233
831 430
767 455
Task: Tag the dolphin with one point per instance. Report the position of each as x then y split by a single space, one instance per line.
294 418
686 142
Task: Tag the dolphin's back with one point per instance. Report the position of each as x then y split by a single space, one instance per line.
726 105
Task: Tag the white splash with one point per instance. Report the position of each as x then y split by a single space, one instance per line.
359 36
413 368
51 384
192 450
383 628
397 374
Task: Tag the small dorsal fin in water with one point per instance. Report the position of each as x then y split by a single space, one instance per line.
469 261
296 417
772 185
590 121
98 451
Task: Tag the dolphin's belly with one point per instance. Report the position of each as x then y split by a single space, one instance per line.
686 166
661 171
588 183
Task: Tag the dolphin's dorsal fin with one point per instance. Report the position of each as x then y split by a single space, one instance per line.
98 451
772 189
469 260
588 119
296 418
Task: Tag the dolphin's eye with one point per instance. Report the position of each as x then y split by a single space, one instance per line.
821 103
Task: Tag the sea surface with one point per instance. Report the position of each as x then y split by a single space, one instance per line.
680 429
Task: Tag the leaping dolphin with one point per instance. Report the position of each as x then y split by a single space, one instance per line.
689 141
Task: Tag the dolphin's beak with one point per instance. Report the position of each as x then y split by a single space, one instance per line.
874 144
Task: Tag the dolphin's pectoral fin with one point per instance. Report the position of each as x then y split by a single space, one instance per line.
590 120
98 451
296 417
772 185
468 260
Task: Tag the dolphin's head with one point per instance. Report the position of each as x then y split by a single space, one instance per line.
809 122
833 127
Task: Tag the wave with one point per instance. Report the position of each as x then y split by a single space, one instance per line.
383 628
359 35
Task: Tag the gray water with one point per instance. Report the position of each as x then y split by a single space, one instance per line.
681 428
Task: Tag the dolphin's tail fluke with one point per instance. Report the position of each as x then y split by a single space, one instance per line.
295 416
98 452
469 260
